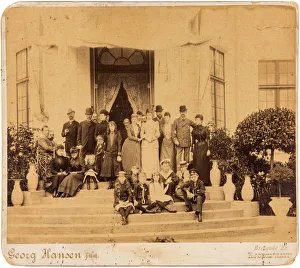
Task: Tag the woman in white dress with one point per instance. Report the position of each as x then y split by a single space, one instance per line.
149 134
158 193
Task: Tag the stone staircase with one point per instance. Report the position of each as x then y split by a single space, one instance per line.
90 218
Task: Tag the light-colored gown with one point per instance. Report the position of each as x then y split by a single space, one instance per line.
167 148
150 157
157 192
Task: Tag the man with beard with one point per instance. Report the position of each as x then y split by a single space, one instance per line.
159 118
86 141
69 131
181 135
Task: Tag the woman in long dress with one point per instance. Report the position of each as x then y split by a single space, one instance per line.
167 148
158 193
112 156
149 134
200 136
71 184
131 150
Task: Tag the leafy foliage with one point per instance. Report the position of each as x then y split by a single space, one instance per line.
267 129
21 150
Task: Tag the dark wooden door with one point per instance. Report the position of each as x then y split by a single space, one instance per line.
120 110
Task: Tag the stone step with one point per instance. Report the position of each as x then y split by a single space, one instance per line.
133 227
109 200
91 193
196 235
95 209
97 218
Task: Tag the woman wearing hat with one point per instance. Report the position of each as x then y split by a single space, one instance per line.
167 147
201 153
131 150
73 181
59 169
149 134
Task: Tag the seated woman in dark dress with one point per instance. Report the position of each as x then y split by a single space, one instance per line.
59 169
201 153
71 184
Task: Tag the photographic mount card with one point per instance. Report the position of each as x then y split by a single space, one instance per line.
196 103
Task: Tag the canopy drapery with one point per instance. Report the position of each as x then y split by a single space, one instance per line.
147 28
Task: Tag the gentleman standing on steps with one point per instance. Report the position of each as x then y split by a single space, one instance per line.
69 132
86 141
181 135
194 192
161 121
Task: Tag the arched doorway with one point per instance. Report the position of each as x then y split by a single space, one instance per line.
120 110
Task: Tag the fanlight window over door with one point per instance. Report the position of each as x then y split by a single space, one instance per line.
122 58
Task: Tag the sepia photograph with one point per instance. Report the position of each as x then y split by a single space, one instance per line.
142 133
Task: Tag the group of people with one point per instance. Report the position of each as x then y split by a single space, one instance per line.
95 149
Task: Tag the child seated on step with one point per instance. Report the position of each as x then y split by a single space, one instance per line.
194 192
158 193
141 196
123 197
99 153
184 176
133 175
90 171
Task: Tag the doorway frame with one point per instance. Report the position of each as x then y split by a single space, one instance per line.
94 86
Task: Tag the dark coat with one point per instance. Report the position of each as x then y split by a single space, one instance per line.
59 164
198 188
86 138
71 137
141 192
181 131
101 129
122 192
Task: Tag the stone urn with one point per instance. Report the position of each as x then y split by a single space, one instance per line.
247 191
17 196
229 188
280 205
215 174
32 178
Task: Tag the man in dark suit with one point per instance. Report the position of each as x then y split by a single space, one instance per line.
101 126
194 192
159 118
69 132
86 141
181 135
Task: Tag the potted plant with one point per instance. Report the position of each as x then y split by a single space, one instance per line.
279 175
20 152
221 147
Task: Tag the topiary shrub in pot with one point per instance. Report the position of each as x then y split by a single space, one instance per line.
280 175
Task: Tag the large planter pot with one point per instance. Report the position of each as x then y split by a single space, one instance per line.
280 205
229 188
215 174
32 179
247 191
17 194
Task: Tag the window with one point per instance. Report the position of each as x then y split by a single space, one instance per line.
22 87
217 79
277 84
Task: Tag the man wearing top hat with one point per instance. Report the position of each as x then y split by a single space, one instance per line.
161 121
86 141
101 126
69 131
181 135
